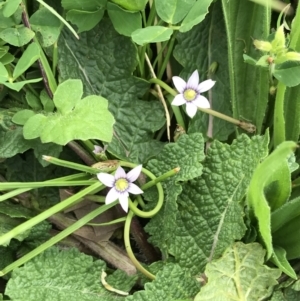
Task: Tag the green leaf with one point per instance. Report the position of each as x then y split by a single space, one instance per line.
22 116
245 20
284 214
15 210
87 5
171 283
3 73
17 86
239 275
74 276
136 119
29 56
7 59
17 36
46 25
186 153
196 14
273 169
10 7
133 5
76 118
13 20
173 11
288 73
151 34
280 260
125 22
210 214
248 59
33 101
193 56
85 20
46 101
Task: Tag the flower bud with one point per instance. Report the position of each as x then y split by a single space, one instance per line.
262 45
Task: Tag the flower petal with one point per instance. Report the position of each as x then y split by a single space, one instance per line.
193 80
206 85
112 195
179 83
202 102
120 173
123 199
191 109
134 189
134 173
178 100
106 178
97 149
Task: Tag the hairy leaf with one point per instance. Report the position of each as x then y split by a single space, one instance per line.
210 214
239 275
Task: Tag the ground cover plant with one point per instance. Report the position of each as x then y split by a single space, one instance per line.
149 150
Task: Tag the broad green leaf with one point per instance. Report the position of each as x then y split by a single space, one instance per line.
249 88
133 5
10 7
171 283
173 11
125 22
46 25
29 56
288 73
47 102
85 20
76 118
67 95
268 172
15 210
22 116
239 275
11 21
196 14
7 256
210 211
186 153
7 59
87 5
3 50
17 36
105 61
74 276
151 34
193 56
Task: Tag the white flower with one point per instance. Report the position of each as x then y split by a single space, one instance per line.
122 184
189 93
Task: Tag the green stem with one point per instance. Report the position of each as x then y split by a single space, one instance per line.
279 122
152 15
32 185
54 59
18 191
168 55
77 166
128 246
71 229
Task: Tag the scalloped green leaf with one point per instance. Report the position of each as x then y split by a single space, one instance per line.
187 154
210 210
105 61
73 276
76 118
239 275
171 283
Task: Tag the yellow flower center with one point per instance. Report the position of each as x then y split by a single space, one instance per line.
189 94
121 184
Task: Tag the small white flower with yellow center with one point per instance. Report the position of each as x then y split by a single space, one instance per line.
122 184
189 93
